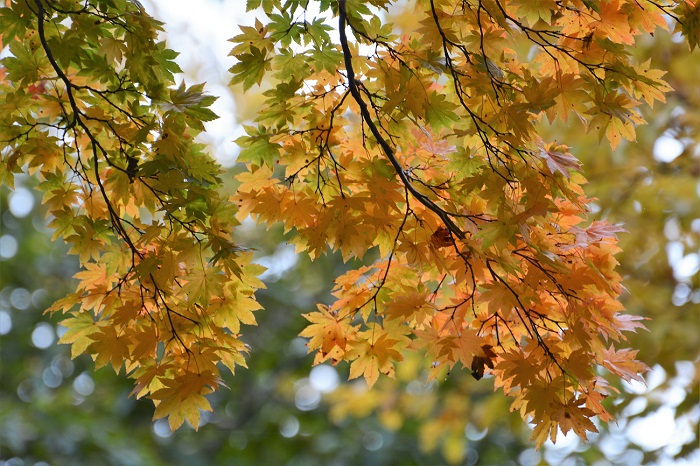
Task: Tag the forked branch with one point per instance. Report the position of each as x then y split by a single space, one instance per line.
388 150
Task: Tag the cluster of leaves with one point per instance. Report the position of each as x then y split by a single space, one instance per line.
417 153
651 196
423 148
89 106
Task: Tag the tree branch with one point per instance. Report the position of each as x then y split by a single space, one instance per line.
386 147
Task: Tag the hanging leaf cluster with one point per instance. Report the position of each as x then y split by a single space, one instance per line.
418 152
90 107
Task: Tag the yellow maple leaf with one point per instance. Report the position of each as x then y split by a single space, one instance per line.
327 332
373 354
80 327
182 398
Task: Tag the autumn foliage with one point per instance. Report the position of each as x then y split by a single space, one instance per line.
416 153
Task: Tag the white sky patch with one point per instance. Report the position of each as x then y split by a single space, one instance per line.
654 431
200 32
283 259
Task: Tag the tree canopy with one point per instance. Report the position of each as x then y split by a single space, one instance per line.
423 154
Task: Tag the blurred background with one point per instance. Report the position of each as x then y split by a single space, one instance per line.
281 411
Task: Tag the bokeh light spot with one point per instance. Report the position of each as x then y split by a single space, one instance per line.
43 336
306 397
5 322
372 441
51 377
20 299
83 384
8 246
667 148
324 378
162 429
21 202
290 427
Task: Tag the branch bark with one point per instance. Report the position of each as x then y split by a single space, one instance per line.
389 151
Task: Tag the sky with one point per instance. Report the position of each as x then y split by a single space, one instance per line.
200 31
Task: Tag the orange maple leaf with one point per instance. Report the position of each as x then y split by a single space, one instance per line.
622 363
571 416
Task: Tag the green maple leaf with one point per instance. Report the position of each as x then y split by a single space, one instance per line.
257 148
251 68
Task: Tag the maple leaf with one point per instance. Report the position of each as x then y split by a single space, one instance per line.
251 67
579 364
600 229
689 21
629 322
111 347
572 416
614 23
404 305
233 310
534 11
250 35
559 161
144 344
596 232
595 392
480 363
148 378
499 298
467 346
516 369
544 429
81 326
93 278
650 86
181 398
328 331
622 363
441 238
373 353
